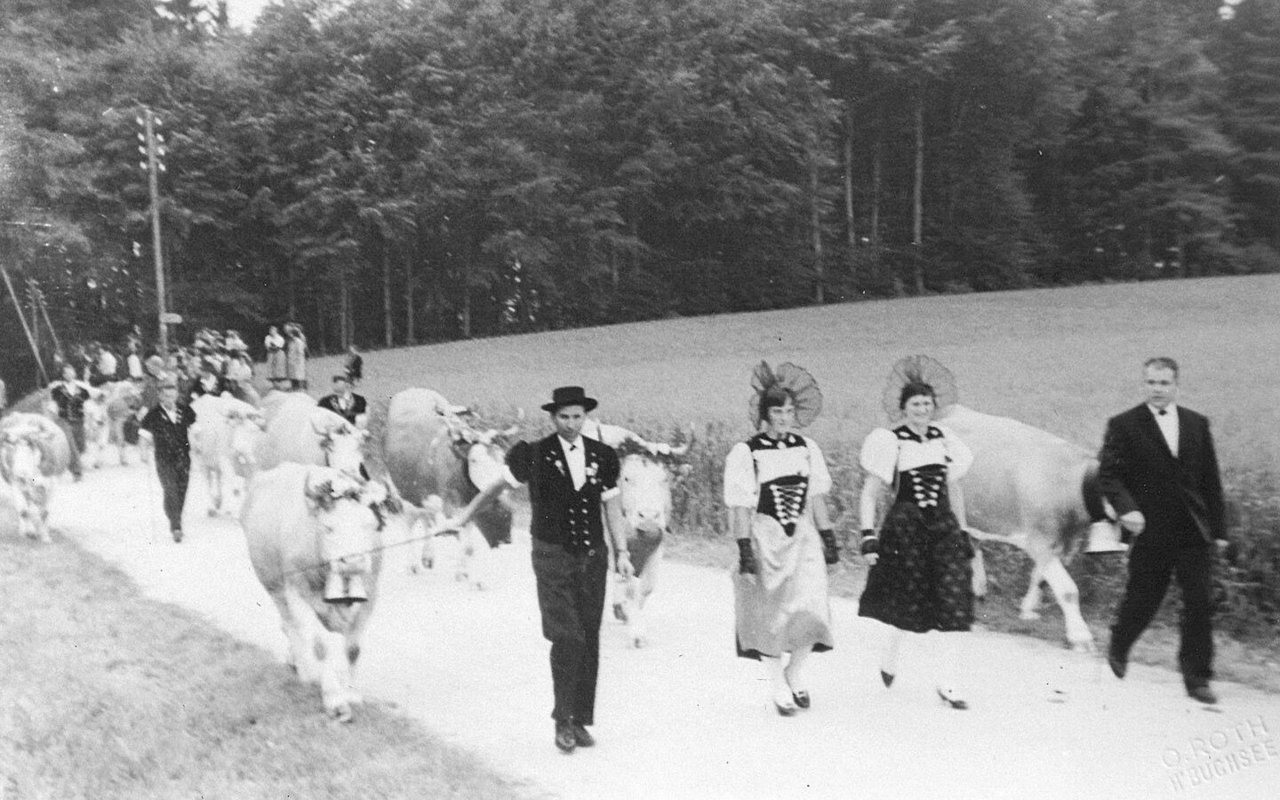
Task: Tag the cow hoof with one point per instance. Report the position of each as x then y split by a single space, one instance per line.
1029 615
638 642
213 512
619 613
1086 646
342 713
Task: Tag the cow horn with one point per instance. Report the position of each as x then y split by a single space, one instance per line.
514 429
683 449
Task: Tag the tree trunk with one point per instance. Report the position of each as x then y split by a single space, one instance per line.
917 199
815 224
850 234
410 334
387 326
344 313
876 172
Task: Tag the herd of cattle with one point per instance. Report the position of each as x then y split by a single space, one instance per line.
318 493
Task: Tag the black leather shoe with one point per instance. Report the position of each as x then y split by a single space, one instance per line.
177 535
950 699
565 738
1119 666
582 737
887 677
1202 694
802 698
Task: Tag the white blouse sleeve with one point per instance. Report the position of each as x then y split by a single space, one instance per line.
740 487
961 457
880 454
819 475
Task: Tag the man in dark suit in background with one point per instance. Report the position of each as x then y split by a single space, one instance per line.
1160 473
570 477
168 423
344 402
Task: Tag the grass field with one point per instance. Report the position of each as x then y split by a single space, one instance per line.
1060 359
107 695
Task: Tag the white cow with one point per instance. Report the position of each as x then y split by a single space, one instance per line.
33 451
315 542
647 472
222 438
297 431
1038 492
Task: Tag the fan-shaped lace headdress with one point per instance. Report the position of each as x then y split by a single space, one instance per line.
918 369
796 380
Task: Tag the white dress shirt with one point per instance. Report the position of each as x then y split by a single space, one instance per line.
1167 420
576 457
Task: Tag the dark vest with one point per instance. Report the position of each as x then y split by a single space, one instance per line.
560 514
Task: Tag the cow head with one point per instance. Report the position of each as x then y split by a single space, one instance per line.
646 493
351 514
343 446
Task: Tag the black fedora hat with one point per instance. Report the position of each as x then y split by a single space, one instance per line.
569 396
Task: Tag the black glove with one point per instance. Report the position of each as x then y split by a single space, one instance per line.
830 552
746 558
870 542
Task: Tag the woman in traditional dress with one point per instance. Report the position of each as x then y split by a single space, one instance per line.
921 576
295 350
274 342
775 487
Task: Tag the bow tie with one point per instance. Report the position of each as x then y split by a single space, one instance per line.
1163 411
573 447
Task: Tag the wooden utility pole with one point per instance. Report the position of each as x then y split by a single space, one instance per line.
153 148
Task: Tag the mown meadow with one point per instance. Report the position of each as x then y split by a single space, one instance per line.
1061 359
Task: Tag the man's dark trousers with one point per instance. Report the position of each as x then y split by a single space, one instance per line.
174 476
1150 567
571 590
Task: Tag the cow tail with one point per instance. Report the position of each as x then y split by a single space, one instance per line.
1091 487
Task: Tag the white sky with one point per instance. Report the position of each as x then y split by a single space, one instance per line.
244 12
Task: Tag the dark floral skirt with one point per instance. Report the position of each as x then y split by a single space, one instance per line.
923 580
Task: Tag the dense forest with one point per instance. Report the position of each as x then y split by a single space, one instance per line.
401 171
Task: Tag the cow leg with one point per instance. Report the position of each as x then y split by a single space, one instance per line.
475 559
1029 609
298 655
1068 595
638 590
322 656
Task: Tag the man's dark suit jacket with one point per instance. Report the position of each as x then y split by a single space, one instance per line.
561 514
1178 496
358 406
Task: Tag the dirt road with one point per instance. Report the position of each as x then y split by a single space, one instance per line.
684 718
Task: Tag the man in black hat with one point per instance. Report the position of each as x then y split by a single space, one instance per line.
344 402
168 423
569 478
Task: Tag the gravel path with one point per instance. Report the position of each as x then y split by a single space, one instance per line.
684 718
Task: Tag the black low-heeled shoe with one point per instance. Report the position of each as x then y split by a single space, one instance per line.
887 677
954 702
802 698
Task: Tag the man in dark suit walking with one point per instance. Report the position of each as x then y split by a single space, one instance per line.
168 423
1160 473
570 477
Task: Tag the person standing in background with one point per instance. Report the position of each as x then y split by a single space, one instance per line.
354 366
295 357
274 344
1159 471
70 395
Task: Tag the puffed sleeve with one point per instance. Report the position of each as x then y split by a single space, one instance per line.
740 487
520 462
819 475
880 454
959 456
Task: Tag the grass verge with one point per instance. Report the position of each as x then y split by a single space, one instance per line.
107 694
